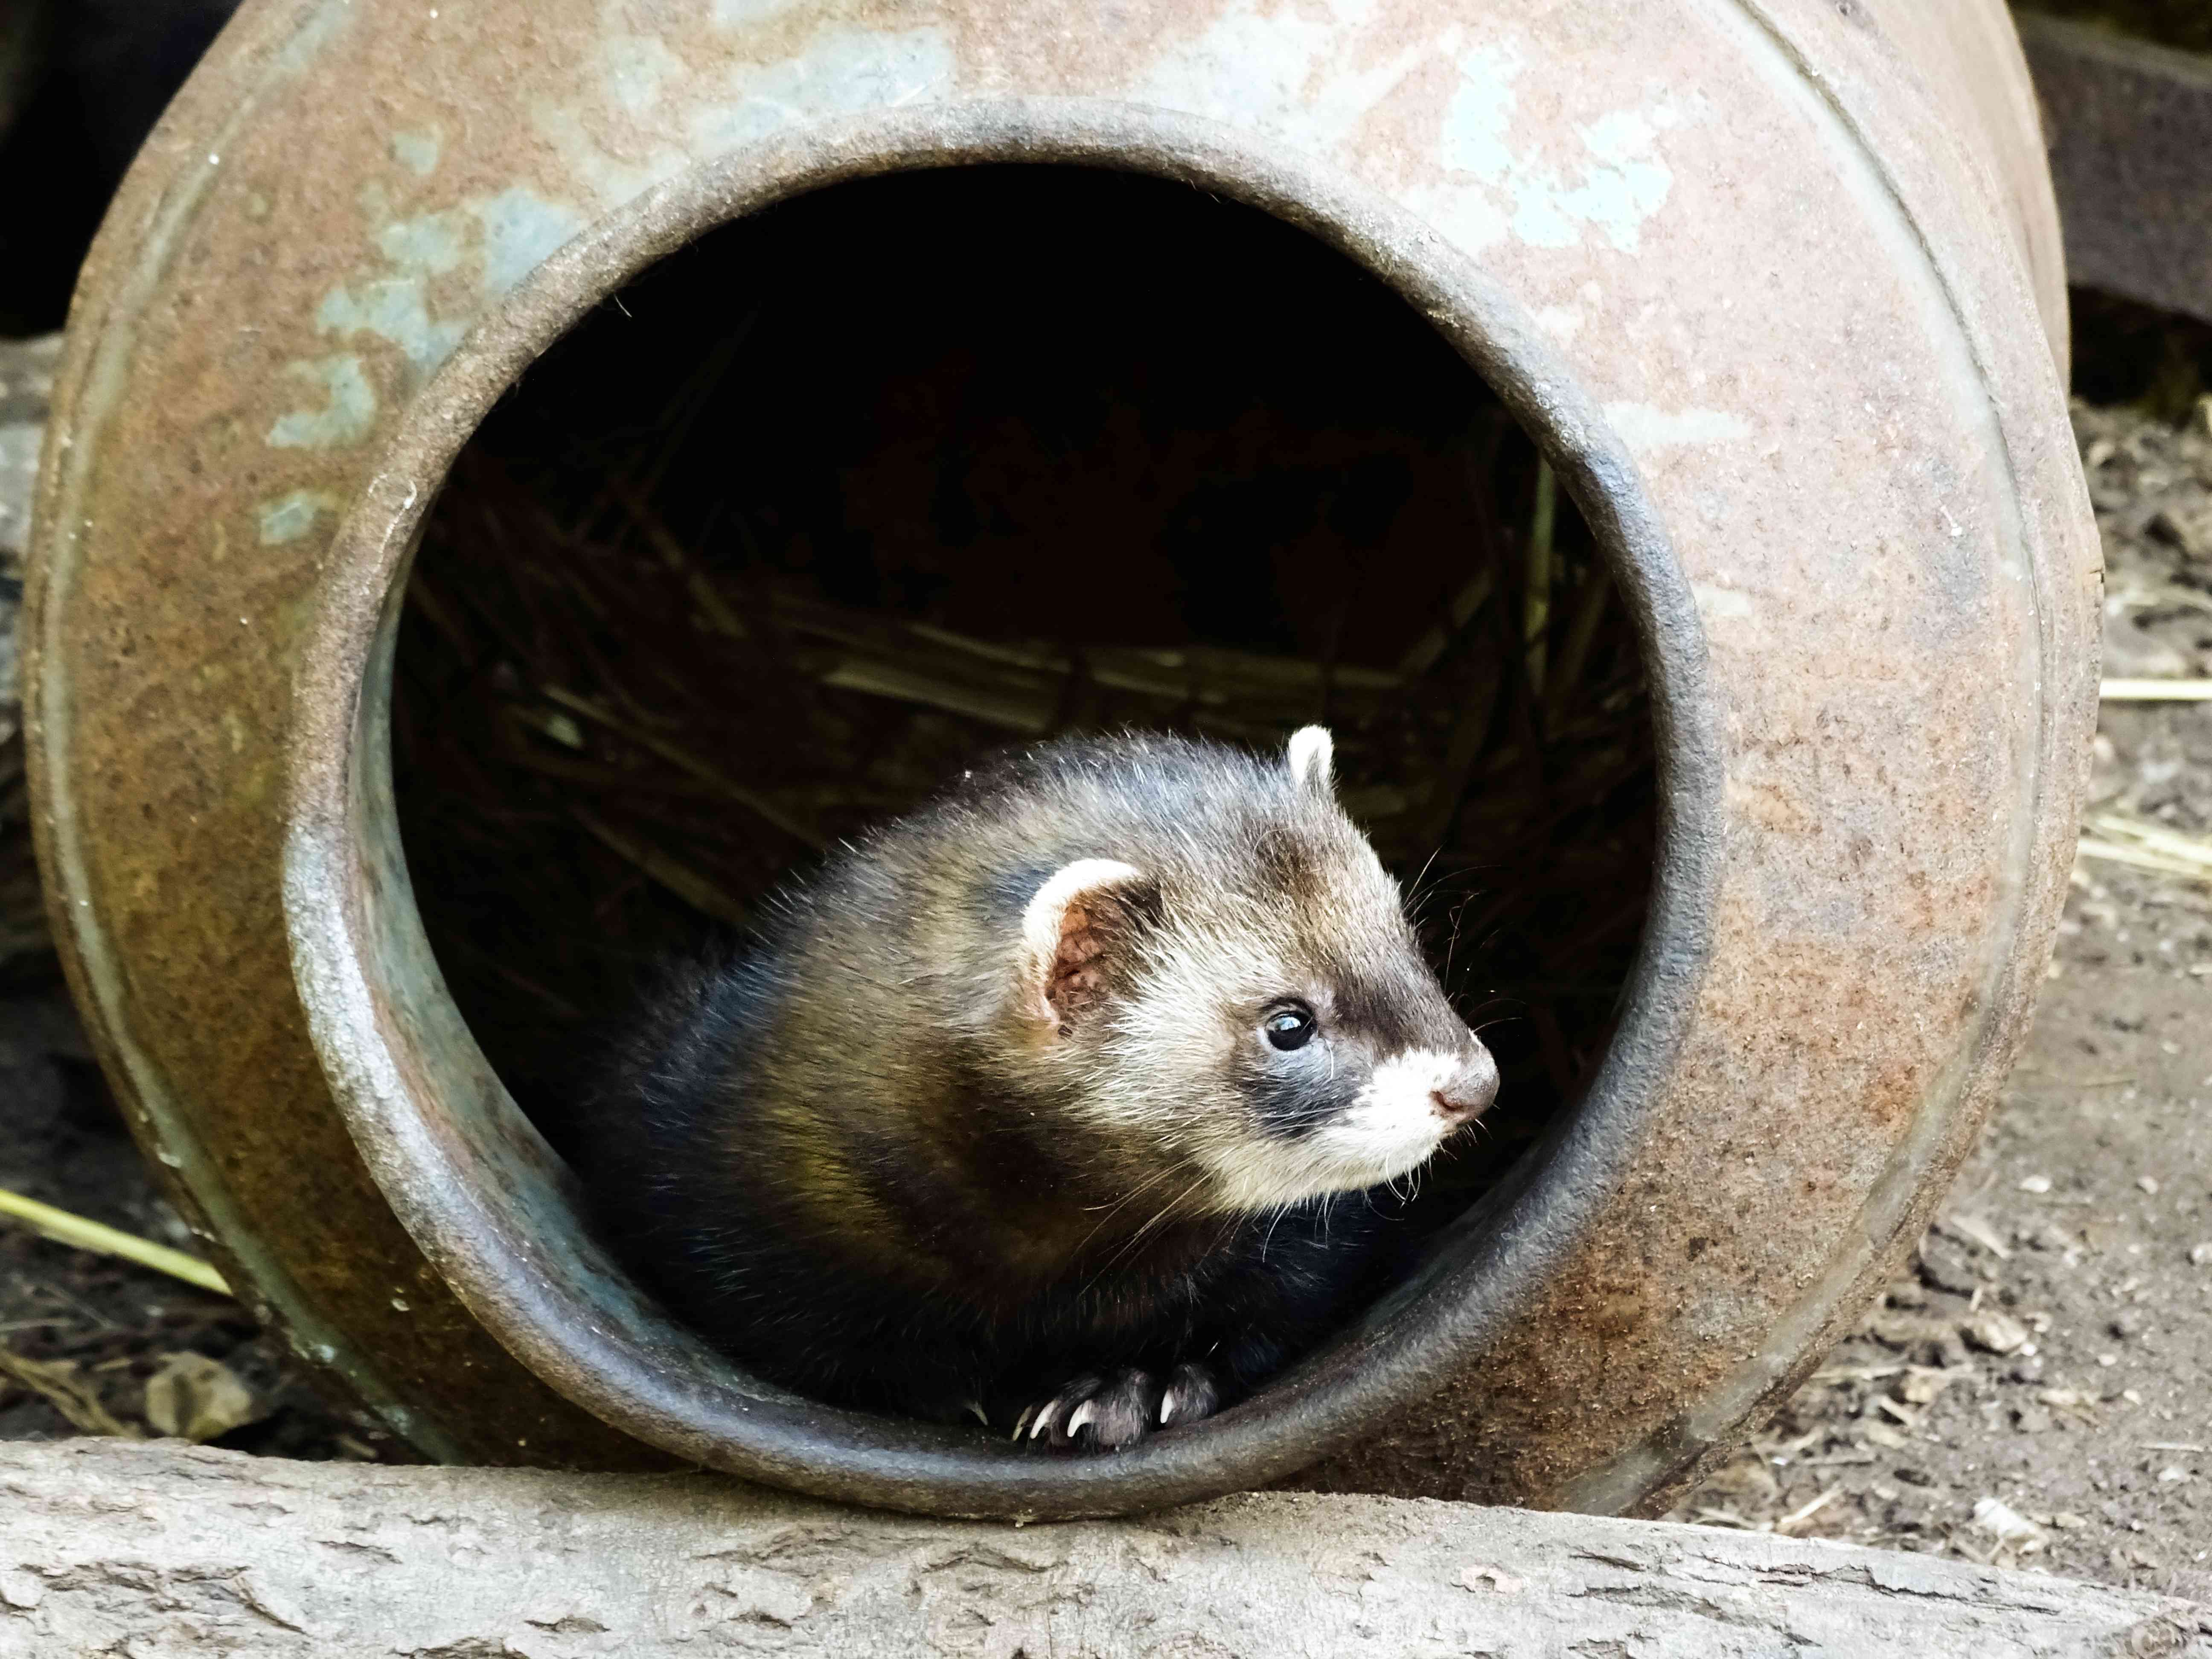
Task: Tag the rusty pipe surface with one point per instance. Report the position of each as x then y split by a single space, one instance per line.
1762 278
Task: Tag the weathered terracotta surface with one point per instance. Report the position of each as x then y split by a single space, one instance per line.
1763 277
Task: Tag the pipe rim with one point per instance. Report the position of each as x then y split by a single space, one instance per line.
345 892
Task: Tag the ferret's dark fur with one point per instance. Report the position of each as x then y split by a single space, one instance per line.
1058 1103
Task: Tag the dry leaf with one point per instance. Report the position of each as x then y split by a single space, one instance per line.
196 1398
58 1381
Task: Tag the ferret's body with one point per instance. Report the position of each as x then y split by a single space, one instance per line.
1066 1094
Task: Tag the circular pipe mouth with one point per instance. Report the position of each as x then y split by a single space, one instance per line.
497 1212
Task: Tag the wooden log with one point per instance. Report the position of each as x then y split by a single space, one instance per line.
163 1548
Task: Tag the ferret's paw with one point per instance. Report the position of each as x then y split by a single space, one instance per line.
1190 1395
1095 1412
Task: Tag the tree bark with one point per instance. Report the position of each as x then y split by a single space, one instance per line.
108 1548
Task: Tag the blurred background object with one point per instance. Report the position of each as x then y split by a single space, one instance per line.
81 81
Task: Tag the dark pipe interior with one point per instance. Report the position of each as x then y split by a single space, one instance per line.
854 490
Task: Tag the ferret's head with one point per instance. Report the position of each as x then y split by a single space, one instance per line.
1232 981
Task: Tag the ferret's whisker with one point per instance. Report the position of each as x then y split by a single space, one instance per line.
1130 1244
1121 1202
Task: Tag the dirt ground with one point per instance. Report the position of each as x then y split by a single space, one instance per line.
2038 1393
74 1324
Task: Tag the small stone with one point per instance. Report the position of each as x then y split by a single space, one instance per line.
1493 1580
1921 1340
1914 1477
2032 1420
2126 1325
2050 1235
1995 1332
2038 1184
21 1590
1945 1267
1908 1293
2172 1475
2007 1524
2148 1183
1922 1386
2108 1359
2200 1256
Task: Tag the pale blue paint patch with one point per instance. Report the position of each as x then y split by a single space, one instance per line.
417 152
427 246
520 230
513 232
1645 428
841 68
1629 183
608 179
637 65
1720 601
345 418
290 517
392 309
742 14
1617 184
1300 67
396 308
1481 113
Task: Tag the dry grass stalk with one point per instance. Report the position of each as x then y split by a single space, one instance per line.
79 1233
612 742
2156 690
2120 838
58 1384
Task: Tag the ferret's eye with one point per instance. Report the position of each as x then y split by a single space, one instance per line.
1289 1028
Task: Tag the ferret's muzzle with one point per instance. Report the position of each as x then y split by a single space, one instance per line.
1468 1092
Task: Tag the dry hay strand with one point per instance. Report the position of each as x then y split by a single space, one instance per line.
596 726
695 607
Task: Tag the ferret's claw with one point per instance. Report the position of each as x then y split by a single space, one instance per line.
1189 1396
1094 1413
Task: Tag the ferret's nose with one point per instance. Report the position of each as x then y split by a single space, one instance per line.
1468 1092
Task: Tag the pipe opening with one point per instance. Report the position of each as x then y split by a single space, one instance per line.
858 489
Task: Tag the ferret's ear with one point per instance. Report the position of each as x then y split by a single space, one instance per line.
1313 761
1082 914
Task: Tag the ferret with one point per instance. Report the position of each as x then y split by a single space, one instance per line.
1063 1104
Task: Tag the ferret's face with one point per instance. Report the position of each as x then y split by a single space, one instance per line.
1303 1048
1279 1033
